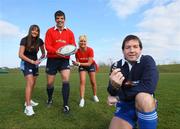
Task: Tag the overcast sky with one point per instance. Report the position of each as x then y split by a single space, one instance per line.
105 22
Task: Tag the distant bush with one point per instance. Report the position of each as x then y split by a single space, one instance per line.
171 68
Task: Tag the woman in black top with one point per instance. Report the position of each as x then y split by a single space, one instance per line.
29 47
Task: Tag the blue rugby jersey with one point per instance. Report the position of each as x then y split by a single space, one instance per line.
143 73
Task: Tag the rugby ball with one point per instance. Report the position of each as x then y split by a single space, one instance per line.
67 50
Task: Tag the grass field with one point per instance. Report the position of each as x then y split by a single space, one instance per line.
93 115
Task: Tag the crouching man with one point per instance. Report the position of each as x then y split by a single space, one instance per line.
132 83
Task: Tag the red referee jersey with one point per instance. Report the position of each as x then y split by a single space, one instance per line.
54 40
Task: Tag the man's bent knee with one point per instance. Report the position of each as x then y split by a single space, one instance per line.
145 102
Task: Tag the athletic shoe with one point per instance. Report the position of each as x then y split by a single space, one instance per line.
49 103
81 104
96 99
29 111
32 103
66 109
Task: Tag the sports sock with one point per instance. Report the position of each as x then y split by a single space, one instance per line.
65 92
147 120
50 90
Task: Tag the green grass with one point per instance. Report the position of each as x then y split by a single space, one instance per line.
92 116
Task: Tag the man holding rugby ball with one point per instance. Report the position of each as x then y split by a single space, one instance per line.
57 37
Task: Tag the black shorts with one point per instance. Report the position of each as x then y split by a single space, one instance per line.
91 68
56 64
28 68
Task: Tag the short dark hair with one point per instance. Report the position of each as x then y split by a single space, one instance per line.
59 13
131 37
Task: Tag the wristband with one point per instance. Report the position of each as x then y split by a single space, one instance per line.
79 64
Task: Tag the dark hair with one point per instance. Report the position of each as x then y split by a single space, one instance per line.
59 13
131 37
32 44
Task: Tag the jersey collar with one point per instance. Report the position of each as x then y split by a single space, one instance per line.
55 28
130 66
